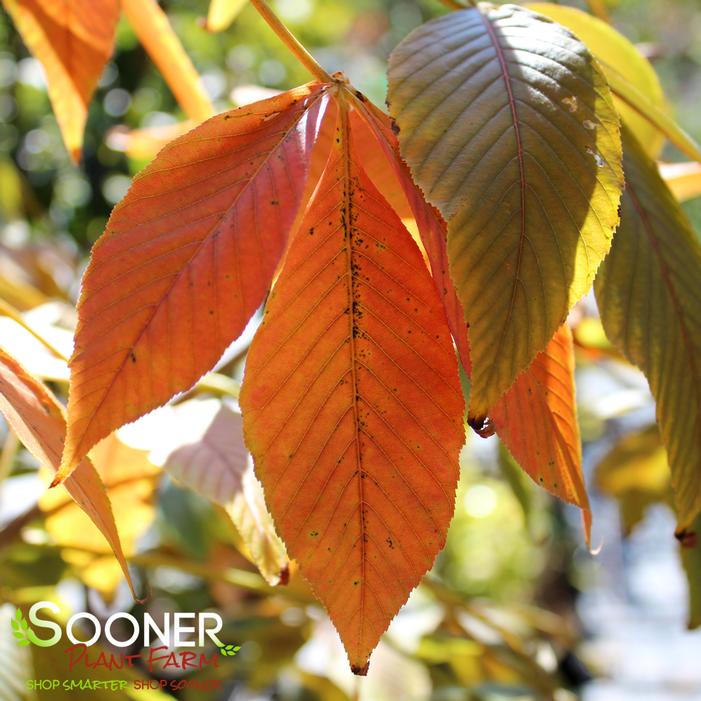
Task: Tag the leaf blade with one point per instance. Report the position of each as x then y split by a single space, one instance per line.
73 42
38 420
183 259
537 421
509 128
650 284
622 63
325 395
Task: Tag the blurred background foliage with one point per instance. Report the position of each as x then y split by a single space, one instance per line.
515 607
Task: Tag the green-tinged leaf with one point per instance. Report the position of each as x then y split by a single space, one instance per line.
205 452
222 13
509 127
636 474
622 63
649 296
691 560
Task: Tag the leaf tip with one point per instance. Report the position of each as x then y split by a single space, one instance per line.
360 670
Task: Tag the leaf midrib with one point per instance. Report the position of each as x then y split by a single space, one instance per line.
522 172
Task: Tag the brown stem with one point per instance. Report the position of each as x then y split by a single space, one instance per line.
290 41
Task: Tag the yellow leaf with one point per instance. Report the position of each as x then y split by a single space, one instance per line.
509 128
683 179
152 27
649 296
73 41
635 473
130 480
222 13
622 64
38 419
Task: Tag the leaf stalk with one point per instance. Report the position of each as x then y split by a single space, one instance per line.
290 41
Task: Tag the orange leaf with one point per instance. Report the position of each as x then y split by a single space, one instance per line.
37 418
351 403
186 259
408 196
131 482
156 35
73 41
537 421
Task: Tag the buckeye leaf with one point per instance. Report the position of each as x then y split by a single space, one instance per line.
649 296
509 127
351 404
185 260
537 421
38 420
636 89
73 41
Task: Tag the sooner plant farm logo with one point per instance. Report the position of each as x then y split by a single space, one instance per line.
123 630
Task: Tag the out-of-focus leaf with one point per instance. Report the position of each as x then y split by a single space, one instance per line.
193 233
144 144
635 472
73 41
520 485
622 63
38 419
649 297
222 13
683 179
691 560
509 128
156 34
130 481
207 455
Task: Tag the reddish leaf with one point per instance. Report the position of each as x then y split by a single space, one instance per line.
352 407
185 260
38 419
73 40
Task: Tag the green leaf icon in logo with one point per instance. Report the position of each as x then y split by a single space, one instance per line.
229 650
24 634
